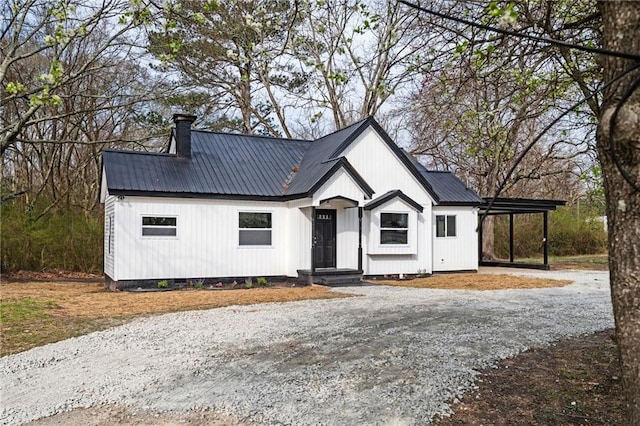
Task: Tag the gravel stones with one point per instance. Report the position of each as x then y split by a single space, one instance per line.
391 356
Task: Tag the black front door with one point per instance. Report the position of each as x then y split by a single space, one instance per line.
324 234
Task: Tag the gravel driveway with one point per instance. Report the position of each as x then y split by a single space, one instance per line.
391 356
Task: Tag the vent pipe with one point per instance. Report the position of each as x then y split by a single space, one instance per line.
183 134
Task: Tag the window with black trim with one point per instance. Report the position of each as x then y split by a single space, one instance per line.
255 229
159 226
445 226
394 228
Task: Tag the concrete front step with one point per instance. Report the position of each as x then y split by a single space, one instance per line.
330 277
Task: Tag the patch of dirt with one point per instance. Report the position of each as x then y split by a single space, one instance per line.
573 382
50 275
476 282
118 415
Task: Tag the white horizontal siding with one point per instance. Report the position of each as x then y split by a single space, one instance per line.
459 252
206 244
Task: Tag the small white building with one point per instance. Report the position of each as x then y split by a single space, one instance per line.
233 206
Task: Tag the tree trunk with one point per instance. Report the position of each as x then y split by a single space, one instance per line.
621 32
488 237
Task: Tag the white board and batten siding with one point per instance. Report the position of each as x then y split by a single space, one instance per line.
340 184
457 253
109 235
299 237
383 171
347 238
385 260
206 244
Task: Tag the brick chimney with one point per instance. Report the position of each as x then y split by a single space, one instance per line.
183 134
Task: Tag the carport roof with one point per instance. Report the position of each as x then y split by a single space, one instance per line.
498 206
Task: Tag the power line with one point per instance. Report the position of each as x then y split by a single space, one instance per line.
521 35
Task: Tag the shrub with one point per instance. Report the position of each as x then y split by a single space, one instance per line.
69 239
570 234
163 284
261 281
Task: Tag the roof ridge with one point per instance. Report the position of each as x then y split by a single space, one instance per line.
354 124
436 171
253 136
128 151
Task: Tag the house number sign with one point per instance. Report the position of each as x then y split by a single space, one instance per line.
324 216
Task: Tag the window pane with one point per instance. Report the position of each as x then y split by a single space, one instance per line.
393 237
451 226
158 221
255 237
394 220
165 232
255 220
439 226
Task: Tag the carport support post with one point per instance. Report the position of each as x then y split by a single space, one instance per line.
480 223
359 238
313 239
545 240
511 256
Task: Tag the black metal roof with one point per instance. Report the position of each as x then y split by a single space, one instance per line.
220 164
451 191
224 165
391 195
518 205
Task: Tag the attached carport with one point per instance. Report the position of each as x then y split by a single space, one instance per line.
512 207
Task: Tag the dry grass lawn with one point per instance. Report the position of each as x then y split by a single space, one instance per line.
477 282
33 313
37 313
93 301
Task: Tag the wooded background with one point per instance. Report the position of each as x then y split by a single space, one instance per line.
78 78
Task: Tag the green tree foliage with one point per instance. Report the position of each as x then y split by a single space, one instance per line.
571 232
68 239
234 54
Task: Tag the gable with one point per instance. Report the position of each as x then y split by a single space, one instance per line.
340 185
385 167
390 196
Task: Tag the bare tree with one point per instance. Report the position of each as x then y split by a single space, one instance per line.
477 117
358 56
72 84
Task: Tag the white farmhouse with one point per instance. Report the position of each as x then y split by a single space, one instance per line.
221 205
